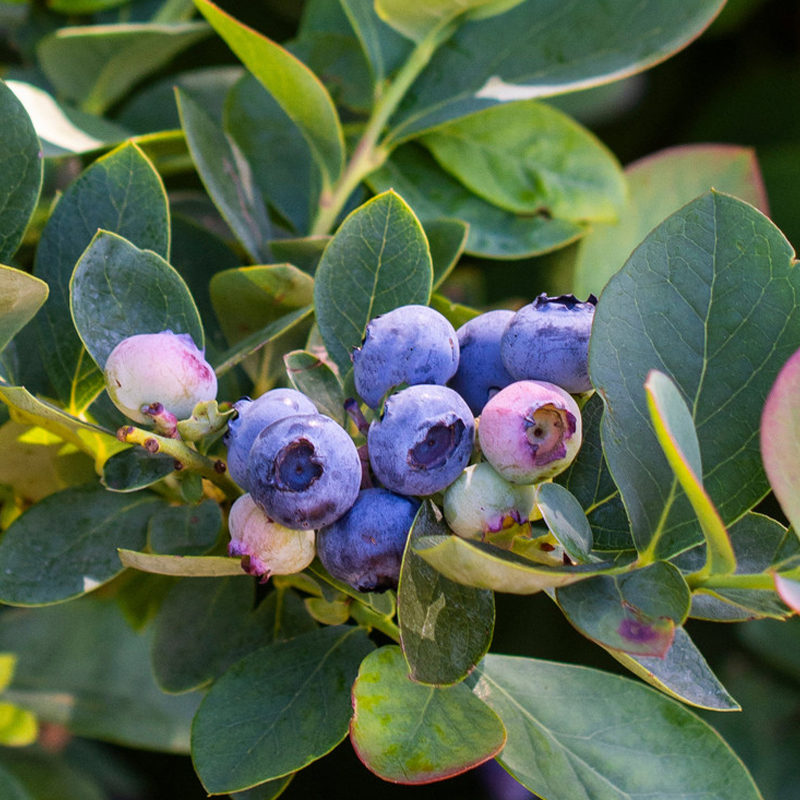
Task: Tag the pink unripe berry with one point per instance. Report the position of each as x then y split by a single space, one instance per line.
165 368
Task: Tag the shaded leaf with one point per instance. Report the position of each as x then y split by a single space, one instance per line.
564 517
720 329
378 260
572 733
135 468
118 290
304 253
296 89
316 380
122 193
281 708
636 612
185 530
411 734
682 673
446 239
81 665
530 158
544 48
445 627
659 185
72 537
206 624
97 65
493 232
20 173
227 176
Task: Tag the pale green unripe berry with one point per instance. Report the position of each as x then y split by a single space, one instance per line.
480 502
266 547
165 368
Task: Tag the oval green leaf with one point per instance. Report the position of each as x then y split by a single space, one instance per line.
445 627
566 520
411 734
687 321
308 374
72 537
181 566
379 259
280 708
118 290
21 296
530 158
135 468
120 192
575 732
543 48
21 170
185 530
293 85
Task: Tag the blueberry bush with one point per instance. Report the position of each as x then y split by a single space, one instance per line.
344 370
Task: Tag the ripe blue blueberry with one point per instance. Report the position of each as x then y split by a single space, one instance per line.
158 368
481 502
548 340
422 441
411 345
364 548
304 471
252 417
481 372
530 431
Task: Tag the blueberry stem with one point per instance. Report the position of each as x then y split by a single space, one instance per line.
368 618
187 457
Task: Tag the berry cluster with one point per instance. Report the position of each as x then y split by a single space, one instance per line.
496 392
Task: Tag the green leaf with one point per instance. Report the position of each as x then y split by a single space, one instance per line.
445 627
72 537
446 239
384 48
34 773
316 380
658 186
97 65
91 439
484 566
493 232
417 20
8 663
675 431
296 89
780 439
120 192
378 260
635 613
20 171
411 734
281 708
18 726
227 176
81 665
682 673
61 129
757 542
588 479
530 158
265 791
118 290
545 48
281 162
566 520
207 624
182 566
720 330
11 787
572 732
304 253
21 296
135 468
185 530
